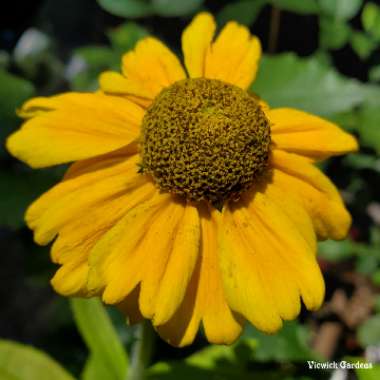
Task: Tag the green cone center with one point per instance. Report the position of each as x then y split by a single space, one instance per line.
205 139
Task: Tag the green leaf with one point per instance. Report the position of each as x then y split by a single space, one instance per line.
13 92
184 371
213 362
101 338
96 55
297 6
367 262
333 33
369 126
372 95
374 74
369 371
21 362
323 57
236 362
371 20
244 12
124 37
170 8
4 59
375 236
362 44
376 278
95 369
210 356
347 120
341 9
291 343
289 81
377 303
369 374
336 250
127 8
369 332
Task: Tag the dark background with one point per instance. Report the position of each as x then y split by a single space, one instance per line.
30 311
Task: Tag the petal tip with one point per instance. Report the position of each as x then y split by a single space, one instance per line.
355 144
16 147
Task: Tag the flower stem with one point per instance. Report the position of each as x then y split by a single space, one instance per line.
141 352
274 29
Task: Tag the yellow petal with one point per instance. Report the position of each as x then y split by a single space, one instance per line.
157 244
196 40
149 68
293 209
76 239
181 329
234 56
131 262
246 289
285 258
297 177
308 135
108 255
204 300
179 267
114 83
74 126
71 278
79 235
143 102
220 325
75 196
104 161
80 227
86 172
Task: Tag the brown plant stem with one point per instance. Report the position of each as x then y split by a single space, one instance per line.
274 29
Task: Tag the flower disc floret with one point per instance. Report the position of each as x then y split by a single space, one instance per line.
205 139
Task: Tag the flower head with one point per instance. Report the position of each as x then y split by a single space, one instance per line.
190 202
205 139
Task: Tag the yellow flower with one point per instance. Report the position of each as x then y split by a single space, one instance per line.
191 202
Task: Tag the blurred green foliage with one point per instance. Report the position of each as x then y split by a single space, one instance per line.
144 8
19 362
302 7
245 12
107 356
92 60
13 92
35 65
242 360
286 80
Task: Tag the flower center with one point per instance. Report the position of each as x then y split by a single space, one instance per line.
205 139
